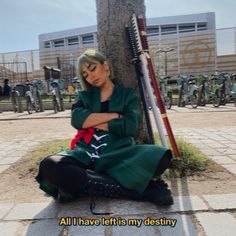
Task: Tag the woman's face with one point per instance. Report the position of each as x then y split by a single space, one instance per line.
96 74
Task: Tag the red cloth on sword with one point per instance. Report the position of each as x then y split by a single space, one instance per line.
87 134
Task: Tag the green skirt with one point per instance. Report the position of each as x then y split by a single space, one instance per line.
133 166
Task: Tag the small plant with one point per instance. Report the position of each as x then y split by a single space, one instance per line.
191 161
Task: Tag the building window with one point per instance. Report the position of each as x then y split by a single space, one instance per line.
73 41
201 26
186 28
58 43
87 39
168 29
47 44
153 31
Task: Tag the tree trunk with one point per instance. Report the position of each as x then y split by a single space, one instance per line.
112 18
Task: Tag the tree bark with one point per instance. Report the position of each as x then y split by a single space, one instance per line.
112 18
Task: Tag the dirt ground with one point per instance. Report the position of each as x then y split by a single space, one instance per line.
18 185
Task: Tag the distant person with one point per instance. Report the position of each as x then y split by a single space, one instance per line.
71 89
6 88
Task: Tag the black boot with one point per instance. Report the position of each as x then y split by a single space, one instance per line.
98 185
158 193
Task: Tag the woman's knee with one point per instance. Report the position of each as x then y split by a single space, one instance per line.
49 169
49 162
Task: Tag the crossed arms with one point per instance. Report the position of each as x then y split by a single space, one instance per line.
125 125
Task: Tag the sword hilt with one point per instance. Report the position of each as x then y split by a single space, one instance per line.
143 32
133 45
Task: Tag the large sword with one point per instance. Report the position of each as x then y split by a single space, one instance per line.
143 61
139 27
138 71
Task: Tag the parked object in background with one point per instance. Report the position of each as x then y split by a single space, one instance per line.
214 94
228 87
57 99
51 74
202 81
16 99
214 89
33 97
166 91
188 91
41 85
233 87
55 84
223 81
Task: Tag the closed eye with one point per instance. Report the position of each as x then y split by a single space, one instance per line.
92 67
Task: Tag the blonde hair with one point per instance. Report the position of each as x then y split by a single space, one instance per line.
90 56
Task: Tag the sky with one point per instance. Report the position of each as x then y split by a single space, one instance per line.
22 21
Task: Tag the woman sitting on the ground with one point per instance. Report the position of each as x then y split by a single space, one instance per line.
103 159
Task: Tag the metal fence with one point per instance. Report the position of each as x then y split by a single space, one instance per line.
14 72
196 53
20 66
17 67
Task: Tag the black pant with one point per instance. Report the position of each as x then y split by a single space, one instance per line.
164 163
63 172
69 175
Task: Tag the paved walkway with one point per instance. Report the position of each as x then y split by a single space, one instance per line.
23 139
219 144
205 215
230 107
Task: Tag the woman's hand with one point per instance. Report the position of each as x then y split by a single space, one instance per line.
104 126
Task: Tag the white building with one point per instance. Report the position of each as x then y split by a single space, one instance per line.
192 38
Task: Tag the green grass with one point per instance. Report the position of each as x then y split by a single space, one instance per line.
45 150
191 161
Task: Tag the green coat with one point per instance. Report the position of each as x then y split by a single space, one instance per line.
115 152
